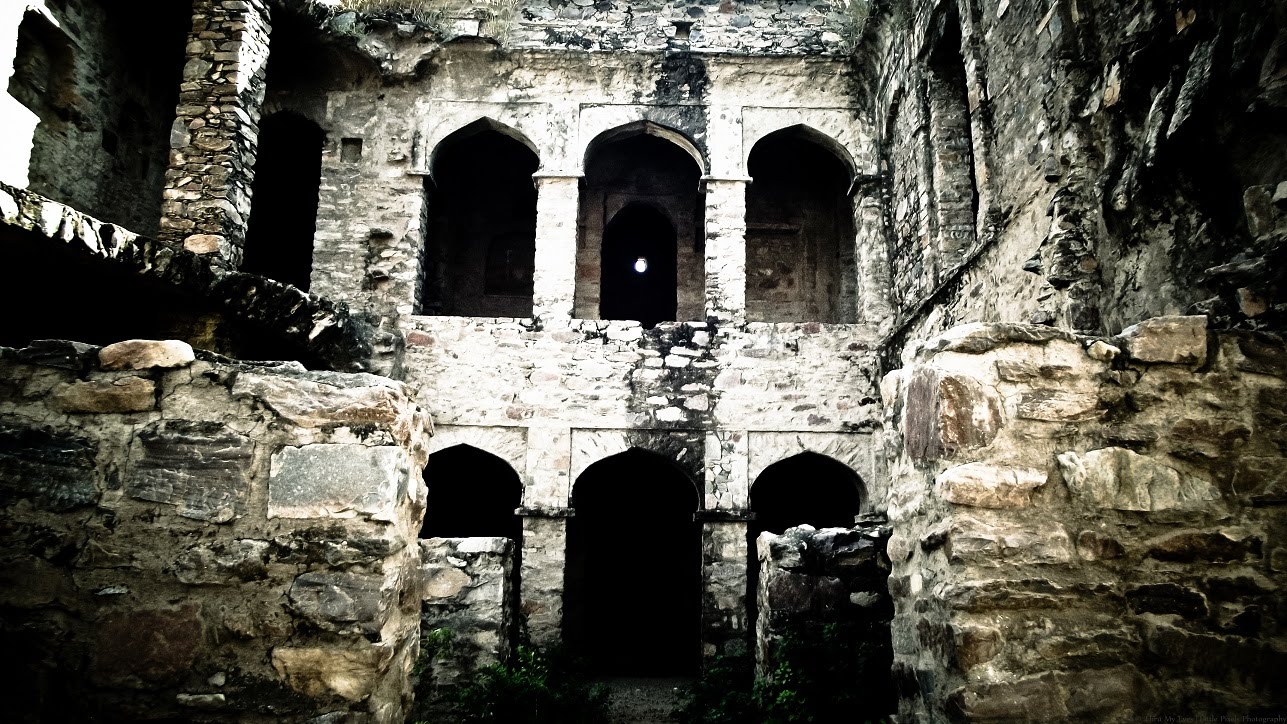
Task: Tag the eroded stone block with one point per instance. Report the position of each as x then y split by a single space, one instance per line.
224 562
337 481
53 470
342 602
350 673
989 486
124 394
202 468
1174 340
141 354
1125 480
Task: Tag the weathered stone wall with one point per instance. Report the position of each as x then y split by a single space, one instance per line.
767 28
468 615
205 540
810 578
1088 529
1105 214
100 103
214 136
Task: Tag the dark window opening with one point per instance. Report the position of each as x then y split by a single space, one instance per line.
632 602
805 489
472 493
283 212
952 141
800 257
638 273
480 252
350 150
640 199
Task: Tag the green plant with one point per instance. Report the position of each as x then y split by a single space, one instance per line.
723 694
536 688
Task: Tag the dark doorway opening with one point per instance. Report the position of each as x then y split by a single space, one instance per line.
471 493
283 213
639 266
800 256
480 253
633 589
805 489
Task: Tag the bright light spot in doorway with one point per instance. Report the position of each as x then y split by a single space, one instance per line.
641 265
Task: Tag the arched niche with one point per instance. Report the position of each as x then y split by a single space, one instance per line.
801 263
283 212
638 270
650 173
480 250
804 489
471 493
632 602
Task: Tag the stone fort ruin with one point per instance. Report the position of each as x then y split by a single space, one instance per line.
336 322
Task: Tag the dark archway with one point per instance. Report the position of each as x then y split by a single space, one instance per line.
471 493
641 191
800 256
807 488
480 252
633 589
283 212
638 274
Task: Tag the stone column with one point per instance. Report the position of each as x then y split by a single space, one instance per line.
874 304
554 279
212 142
18 121
724 560
541 576
726 249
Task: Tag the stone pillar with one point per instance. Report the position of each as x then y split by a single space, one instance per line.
212 142
874 302
541 575
554 279
724 560
726 249
17 120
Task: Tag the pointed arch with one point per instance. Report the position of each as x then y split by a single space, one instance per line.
480 248
801 259
471 493
645 128
634 512
811 134
473 128
806 488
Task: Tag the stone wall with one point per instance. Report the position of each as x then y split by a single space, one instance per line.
467 621
822 627
1087 528
215 131
1104 214
195 539
99 102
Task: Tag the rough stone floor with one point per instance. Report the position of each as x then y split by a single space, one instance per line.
643 700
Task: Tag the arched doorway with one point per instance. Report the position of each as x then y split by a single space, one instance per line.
633 589
283 212
481 232
641 192
800 254
638 266
807 488
471 493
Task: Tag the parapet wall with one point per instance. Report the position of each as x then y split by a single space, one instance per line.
1088 530
200 540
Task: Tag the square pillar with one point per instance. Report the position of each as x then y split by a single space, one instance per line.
724 579
212 143
874 301
554 279
726 249
541 577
